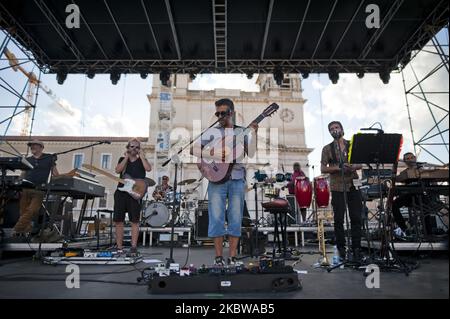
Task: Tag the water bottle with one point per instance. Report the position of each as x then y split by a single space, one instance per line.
336 259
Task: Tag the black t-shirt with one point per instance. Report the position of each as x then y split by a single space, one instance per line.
134 170
42 166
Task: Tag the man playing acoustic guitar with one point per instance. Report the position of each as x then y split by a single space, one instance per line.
135 165
233 188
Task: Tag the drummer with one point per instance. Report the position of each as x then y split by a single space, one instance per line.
291 185
161 190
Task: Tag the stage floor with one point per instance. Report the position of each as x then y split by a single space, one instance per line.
24 278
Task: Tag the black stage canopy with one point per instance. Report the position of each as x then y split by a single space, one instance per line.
222 36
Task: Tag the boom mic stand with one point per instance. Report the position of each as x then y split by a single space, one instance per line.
175 206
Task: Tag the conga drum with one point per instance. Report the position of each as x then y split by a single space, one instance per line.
321 191
303 191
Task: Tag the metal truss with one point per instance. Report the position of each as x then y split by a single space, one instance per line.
435 140
220 62
23 105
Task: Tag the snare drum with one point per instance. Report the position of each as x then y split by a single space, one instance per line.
156 215
322 191
303 191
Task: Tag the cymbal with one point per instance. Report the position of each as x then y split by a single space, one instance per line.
150 182
187 181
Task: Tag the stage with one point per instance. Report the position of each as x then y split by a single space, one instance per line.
21 277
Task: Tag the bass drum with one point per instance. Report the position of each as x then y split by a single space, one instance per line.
156 215
303 191
322 191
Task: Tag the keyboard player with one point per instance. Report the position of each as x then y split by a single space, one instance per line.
31 199
406 198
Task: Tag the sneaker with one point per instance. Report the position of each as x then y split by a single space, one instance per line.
133 252
399 233
218 261
231 261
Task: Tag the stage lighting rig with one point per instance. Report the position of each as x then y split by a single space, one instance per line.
164 77
334 77
385 76
278 76
115 77
90 74
61 76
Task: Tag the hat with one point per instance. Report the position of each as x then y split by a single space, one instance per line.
35 142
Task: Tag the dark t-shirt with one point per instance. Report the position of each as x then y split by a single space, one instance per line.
42 166
134 170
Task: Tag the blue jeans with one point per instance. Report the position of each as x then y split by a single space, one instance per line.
234 191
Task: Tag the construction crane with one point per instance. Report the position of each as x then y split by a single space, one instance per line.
33 84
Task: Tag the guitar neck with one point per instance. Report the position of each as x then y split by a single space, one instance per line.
257 120
104 173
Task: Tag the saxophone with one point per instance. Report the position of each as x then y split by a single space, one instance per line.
321 237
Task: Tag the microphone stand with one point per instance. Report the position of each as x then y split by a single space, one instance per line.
48 188
175 158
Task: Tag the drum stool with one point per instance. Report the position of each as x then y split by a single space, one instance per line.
280 208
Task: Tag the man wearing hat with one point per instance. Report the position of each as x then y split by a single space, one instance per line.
31 199
330 164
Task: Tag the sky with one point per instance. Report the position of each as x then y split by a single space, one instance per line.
102 109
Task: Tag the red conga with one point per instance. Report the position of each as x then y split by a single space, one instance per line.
303 191
321 191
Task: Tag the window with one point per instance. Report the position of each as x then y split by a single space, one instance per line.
105 161
103 201
78 160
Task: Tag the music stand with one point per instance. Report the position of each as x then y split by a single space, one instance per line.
379 148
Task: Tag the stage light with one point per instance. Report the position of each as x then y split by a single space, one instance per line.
192 76
115 77
144 75
305 75
334 77
164 77
249 75
360 75
90 74
61 77
385 76
278 76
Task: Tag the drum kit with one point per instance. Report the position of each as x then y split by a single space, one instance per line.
157 213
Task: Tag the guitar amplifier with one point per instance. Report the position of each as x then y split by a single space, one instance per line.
201 221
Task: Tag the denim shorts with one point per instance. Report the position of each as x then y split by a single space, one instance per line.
232 192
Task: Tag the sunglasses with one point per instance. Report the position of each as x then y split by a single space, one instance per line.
133 146
222 114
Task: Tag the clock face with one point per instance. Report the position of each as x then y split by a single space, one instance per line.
287 115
